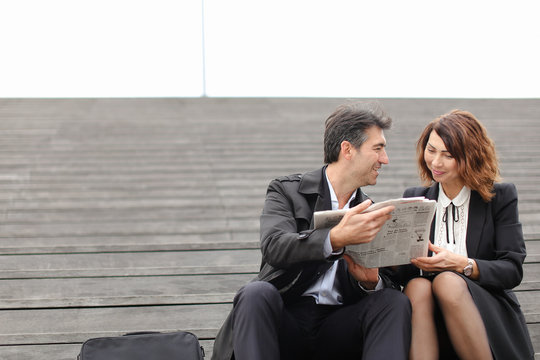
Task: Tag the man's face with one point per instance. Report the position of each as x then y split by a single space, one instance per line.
369 157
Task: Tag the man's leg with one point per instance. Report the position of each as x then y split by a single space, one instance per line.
257 315
377 327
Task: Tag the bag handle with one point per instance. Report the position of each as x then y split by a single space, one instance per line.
141 333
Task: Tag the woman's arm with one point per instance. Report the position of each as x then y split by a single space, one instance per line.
500 262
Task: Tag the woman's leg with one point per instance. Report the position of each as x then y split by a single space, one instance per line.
424 343
463 321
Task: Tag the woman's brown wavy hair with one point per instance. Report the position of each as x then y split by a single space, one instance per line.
467 141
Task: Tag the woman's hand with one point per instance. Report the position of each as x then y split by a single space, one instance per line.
441 260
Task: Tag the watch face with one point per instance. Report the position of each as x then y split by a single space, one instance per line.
467 271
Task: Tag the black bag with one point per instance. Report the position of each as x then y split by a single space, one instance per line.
181 345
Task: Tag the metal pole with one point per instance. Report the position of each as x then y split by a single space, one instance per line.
203 52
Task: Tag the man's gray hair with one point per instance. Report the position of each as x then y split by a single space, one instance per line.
349 122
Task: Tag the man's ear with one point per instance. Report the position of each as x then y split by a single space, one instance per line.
346 149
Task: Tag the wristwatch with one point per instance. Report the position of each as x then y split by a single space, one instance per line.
467 270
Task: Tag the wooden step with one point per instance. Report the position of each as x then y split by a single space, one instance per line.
120 291
130 264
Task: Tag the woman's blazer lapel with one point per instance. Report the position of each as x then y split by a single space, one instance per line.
476 223
432 194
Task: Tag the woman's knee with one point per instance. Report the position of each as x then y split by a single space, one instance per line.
419 292
450 288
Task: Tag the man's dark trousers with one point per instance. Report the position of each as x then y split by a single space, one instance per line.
265 328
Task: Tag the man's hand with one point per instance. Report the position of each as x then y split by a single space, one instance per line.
368 277
357 227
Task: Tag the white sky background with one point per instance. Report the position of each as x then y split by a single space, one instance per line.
301 48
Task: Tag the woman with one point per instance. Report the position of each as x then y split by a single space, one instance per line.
462 291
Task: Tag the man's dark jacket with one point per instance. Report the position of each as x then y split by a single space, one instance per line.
292 251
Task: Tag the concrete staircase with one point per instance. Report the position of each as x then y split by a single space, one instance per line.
121 215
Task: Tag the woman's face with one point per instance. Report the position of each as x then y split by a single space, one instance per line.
441 163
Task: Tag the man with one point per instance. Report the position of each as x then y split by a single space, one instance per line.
309 300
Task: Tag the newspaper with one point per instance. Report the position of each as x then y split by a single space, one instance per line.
403 237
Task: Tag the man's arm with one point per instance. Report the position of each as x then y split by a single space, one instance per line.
286 239
357 227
